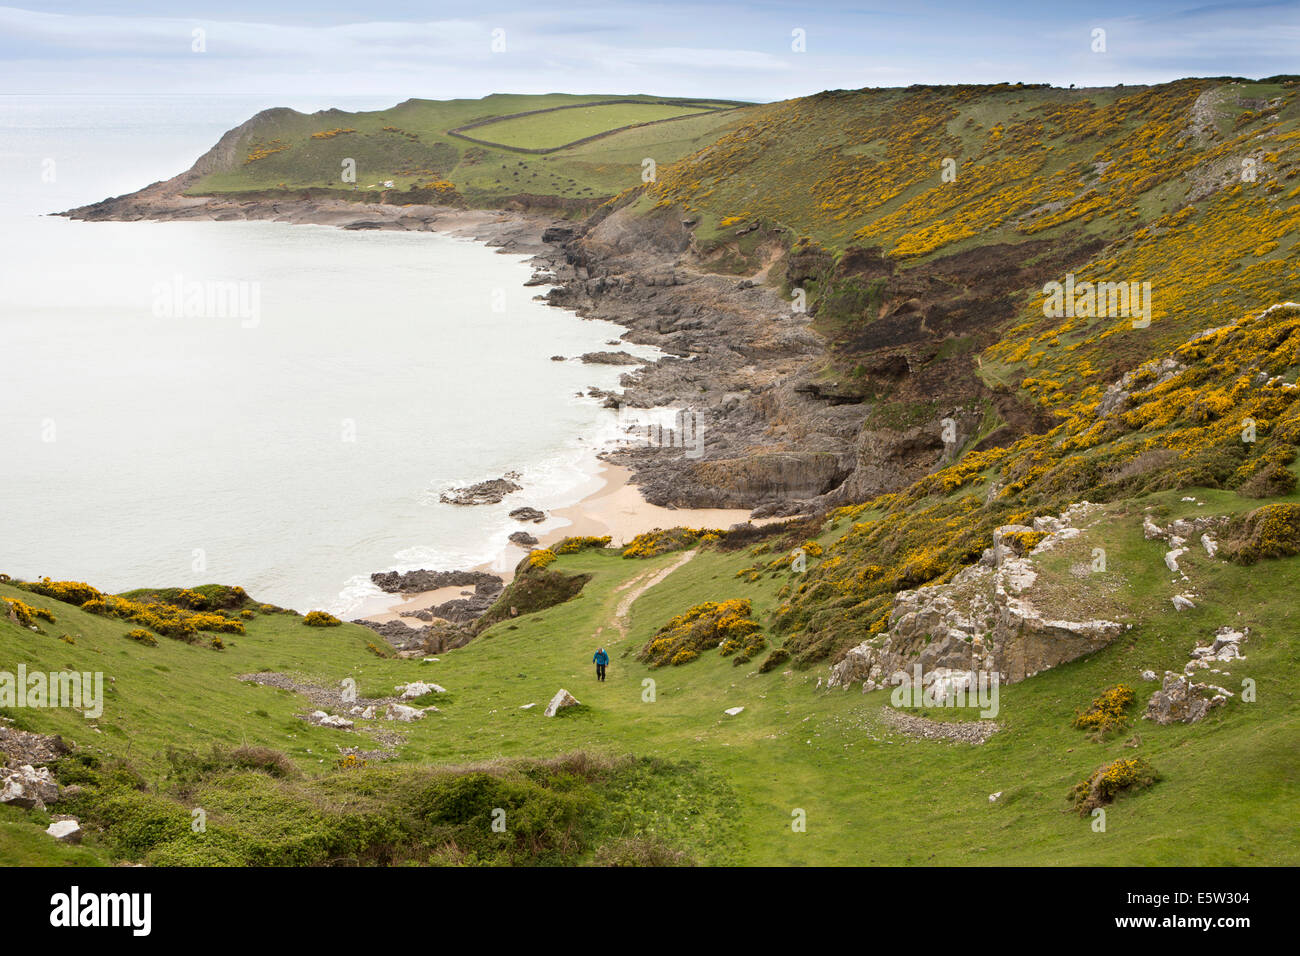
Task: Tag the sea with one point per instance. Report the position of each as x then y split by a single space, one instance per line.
255 403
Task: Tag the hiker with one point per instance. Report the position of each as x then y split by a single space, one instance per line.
602 660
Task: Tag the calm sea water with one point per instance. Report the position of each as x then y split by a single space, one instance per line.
291 438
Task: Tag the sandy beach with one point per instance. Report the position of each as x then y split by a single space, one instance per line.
615 508
618 510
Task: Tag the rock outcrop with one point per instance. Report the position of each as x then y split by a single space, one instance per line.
562 700
28 787
322 719
405 714
983 620
418 689
610 358
490 492
25 747
434 638
413 582
1179 700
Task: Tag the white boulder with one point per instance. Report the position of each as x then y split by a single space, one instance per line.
559 702
28 787
403 713
65 831
418 689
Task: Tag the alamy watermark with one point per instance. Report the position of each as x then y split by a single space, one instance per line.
1128 300
947 687
78 690
646 426
208 299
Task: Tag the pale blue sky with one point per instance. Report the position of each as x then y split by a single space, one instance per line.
399 48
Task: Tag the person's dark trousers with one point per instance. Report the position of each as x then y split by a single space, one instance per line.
600 672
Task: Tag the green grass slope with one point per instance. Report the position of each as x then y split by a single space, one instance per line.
730 785
484 151
1133 184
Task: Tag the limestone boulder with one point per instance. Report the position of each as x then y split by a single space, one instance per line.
1179 700
65 831
561 701
985 619
28 787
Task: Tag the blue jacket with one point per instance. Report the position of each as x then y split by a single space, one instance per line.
601 657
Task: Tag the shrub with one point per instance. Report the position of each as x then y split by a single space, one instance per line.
25 614
189 766
1022 542
1272 531
192 600
69 592
575 544
640 851
142 636
540 558
321 619
1107 712
351 762
161 617
542 823
725 625
651 544
1109 781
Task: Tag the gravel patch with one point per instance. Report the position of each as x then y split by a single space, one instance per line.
965 731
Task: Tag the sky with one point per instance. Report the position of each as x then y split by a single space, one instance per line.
283 50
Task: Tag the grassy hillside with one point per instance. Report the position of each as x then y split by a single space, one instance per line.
929 293
480 151
728 786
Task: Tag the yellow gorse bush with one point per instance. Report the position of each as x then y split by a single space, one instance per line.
1109 781
726 625
159 617
574 544
25 614
320 619
651 544
541 558
1107 713
261 150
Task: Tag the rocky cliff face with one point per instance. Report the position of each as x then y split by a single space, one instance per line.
799 410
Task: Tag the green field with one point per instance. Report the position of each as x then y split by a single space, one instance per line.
564 126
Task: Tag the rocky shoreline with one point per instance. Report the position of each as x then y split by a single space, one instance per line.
753 432
735 350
